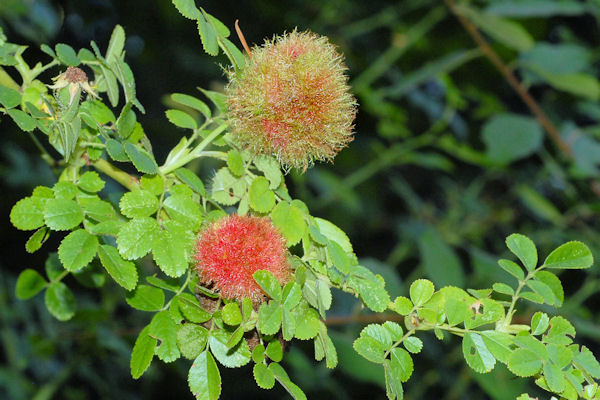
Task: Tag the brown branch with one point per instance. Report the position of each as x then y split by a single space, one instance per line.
512 80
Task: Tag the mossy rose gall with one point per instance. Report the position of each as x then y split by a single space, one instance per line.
230 250
292 100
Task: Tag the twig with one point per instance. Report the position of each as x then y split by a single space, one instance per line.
129 181
511 79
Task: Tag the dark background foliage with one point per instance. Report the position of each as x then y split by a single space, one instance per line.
430 187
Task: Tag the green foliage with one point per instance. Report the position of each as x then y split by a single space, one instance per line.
162 211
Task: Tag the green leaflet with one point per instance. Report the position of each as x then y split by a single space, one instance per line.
62 215
26 215
135 237
204 378
142 354
191 339
138 203
231 358
165 329
77 249
123 272
29 283
146 298
60 301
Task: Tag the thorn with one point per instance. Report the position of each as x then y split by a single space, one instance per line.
242 38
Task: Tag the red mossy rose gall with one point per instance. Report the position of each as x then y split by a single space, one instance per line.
230 250
292 100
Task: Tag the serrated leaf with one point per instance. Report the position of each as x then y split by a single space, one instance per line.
60 301
552 281
559 329
284 380
181 119
191 308
62 215
235 162
204 379
231 314
146 298
542 290
22 119
539 323
138 203
25 215
393 386
269 318
263 376
503 288
369 348
192 102
261 198
208 35
339 258
67 55
235 357
456 310
187 8
401 363
512 268
531 296
271 169
524 249
523 362
191 339
165 329
586 361
91 182
29 283
184 209
142 354
169 251
307 322
116 43
373 295
274 350
267 281
9 98
292 294
77 250
413 344
192 180
135 237
258 354
123 272
141 159
403 305
35 241
288 324
477 354
554 377
116 151
421 291
571 255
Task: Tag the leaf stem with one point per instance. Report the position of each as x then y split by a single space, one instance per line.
128 181
195 153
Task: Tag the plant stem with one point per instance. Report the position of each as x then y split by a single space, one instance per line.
179 291
195 153
512 80
115 173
